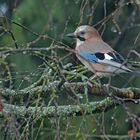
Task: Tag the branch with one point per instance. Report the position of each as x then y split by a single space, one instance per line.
97 89
66 110
127 93
31 50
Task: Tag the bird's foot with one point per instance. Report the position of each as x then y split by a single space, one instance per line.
107 87
90 83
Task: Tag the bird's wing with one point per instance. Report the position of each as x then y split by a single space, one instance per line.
101 52
111 59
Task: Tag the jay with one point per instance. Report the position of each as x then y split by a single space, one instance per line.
97 55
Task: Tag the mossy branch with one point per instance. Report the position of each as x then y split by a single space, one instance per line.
97 89
125 94
65 110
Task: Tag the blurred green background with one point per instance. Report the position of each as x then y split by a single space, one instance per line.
56 18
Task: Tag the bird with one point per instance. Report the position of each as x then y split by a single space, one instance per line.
98 56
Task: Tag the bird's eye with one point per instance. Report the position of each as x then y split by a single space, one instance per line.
82 32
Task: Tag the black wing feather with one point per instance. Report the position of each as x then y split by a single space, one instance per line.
116 57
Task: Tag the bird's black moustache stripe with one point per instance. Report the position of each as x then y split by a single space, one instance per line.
81 38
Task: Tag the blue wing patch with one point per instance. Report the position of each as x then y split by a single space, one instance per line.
89 56
101 56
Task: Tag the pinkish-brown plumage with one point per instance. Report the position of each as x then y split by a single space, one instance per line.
97 55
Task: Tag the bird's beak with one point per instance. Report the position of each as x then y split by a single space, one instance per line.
72 35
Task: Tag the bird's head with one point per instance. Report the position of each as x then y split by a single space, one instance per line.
84 33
